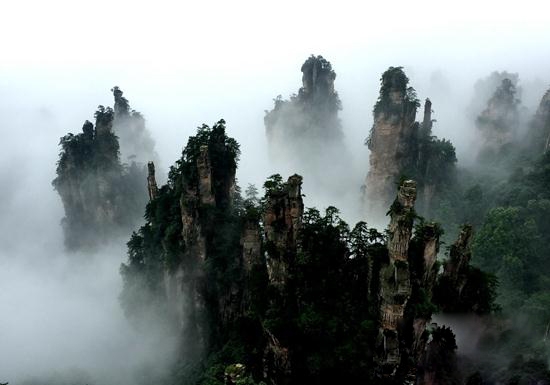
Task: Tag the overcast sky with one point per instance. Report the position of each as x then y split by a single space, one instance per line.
182 63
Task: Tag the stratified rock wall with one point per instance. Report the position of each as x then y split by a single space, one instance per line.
395 284
400 148
152 187
456 268
282 221
423 279
392 141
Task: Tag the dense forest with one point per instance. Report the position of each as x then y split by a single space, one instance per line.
259 289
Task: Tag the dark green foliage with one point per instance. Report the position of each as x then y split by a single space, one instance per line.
440 158
326 314
440 358
514 240
394 79
477 296
334 323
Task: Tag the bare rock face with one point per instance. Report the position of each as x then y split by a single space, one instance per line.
499 122
207 188
205 178
402 216
395 284
282 221
151 181
251 245
423 278
406 287
401 147
391 140
456 268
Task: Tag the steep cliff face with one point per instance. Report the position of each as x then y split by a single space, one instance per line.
207 190
102 198
392 139
399 146
195 253
459 259
463 288
499 121
406 289
282 222
424 270
395 284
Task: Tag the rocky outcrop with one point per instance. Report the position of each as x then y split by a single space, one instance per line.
401 147
395 284
392 140
499 121
251 243
456 267
101 197
151 181
424 270
406 287
282 221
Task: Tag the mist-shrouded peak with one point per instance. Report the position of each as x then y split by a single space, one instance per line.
312 114
305 134
136 143
102 196
318 84
484 90
499 121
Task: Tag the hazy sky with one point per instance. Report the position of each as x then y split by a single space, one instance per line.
184 63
